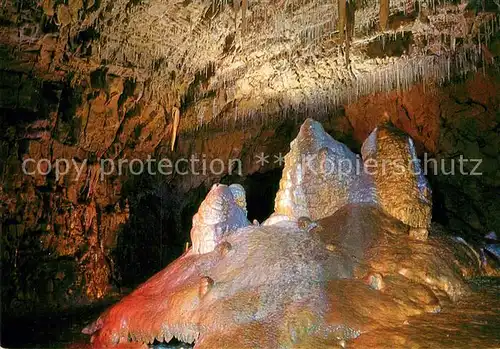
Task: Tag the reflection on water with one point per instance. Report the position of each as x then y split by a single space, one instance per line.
473 322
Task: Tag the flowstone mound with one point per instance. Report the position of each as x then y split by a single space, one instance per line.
321 175
293 282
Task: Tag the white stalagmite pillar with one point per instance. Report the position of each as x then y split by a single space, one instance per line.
222 211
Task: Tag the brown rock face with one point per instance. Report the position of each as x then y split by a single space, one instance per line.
63 233
458 120
415 111
61 205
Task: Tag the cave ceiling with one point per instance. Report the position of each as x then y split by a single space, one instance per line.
238 60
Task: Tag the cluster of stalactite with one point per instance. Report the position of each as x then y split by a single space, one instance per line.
206 60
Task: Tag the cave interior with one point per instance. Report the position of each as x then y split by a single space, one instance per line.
92 90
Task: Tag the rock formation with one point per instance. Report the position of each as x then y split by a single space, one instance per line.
401 188
321 175
282 284
222 211
318 176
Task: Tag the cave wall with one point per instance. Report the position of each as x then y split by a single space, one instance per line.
76 236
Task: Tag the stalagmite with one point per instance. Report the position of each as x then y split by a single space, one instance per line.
206 284
319 174
400 185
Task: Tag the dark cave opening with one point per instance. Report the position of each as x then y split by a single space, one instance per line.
261 189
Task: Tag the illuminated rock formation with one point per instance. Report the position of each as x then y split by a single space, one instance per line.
285 286
401 188
291 282
318 176
321 175
222 211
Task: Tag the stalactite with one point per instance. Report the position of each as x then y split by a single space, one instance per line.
244 7
342 8
384 14
214 108
448 68
349 28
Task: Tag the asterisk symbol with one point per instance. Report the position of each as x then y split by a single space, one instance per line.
279 159
262 159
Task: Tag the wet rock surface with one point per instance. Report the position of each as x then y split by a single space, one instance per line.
471 321
286 302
